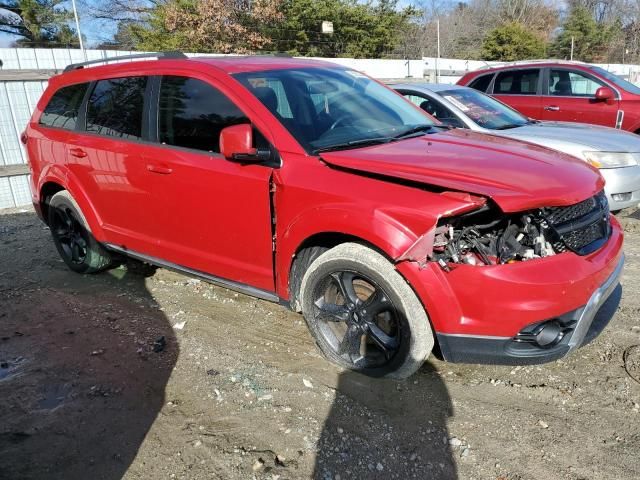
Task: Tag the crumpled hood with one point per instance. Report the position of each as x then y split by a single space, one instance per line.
517 176
581 136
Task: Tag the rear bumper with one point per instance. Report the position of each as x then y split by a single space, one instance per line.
585 324
477 311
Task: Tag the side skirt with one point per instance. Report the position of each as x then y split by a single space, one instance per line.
221 282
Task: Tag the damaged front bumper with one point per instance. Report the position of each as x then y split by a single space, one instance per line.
577 328
494 314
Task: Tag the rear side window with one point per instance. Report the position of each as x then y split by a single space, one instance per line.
62 109
481 83
115 107
191 114
517 82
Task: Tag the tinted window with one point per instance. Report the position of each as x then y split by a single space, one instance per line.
517 82
191 114
62 109
435 109
115 107
568 83
481 83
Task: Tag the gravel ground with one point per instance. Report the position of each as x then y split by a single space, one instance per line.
140 373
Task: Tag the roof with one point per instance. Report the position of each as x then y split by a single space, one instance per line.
236 64
537 63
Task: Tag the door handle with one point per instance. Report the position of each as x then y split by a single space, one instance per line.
78 152
552 108
159 169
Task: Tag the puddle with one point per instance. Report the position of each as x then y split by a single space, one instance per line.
53 396
11 368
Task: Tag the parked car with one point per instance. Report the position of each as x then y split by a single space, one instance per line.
307 183
562 91
616 153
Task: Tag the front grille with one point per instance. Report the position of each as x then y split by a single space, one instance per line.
583 227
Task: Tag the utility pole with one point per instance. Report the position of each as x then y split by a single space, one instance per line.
438 53
75 14
571 58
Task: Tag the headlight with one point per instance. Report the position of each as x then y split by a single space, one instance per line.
612 159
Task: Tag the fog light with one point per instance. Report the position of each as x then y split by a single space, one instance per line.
621 197
550 334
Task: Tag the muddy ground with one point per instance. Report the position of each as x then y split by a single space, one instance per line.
146 374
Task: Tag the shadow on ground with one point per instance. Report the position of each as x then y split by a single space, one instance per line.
402 427
84 360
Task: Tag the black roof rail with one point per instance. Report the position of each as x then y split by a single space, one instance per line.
158 55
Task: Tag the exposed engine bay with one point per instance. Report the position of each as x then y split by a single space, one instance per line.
468 240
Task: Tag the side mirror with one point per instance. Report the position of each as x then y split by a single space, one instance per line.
605 94
236 144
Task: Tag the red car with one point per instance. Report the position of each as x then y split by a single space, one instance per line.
310 184
562 91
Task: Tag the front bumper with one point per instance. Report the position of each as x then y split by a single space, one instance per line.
586 323
474 307
622 181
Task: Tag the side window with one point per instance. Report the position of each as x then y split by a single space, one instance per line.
517 82
191 114
62 109
570 83
482 82
115 107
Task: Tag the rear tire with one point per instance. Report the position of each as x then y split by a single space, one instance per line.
72 237
362 313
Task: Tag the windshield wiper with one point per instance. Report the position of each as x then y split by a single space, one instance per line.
417 129
363 142
510 126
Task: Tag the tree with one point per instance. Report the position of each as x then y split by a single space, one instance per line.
219 26
370 29
590 39
37 23
510 42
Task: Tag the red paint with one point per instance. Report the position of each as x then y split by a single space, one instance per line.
600 109
236 140
202 211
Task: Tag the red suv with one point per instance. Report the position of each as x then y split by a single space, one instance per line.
562 91
310 184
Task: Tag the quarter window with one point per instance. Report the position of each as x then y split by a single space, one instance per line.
62 109
481 83
517 82
116 106
191 114
568 83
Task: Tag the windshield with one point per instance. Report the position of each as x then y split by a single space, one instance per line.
334 108
620 82
484 110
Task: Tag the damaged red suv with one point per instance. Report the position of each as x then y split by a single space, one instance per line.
310 184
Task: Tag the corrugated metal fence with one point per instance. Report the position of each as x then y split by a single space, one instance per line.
24 73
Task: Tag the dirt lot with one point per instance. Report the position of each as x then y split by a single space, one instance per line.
140 373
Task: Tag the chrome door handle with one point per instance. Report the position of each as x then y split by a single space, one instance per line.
159 169
552 108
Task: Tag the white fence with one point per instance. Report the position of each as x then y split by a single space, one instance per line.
21 87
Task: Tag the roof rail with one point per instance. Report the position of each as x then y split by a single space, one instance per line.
525 62
158 55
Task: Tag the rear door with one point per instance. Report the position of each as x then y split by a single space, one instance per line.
105 154
569 96
521 89
215 214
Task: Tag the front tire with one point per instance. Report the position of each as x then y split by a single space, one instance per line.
72 237
362 313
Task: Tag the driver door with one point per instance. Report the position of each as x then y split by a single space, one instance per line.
215 214
570 97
